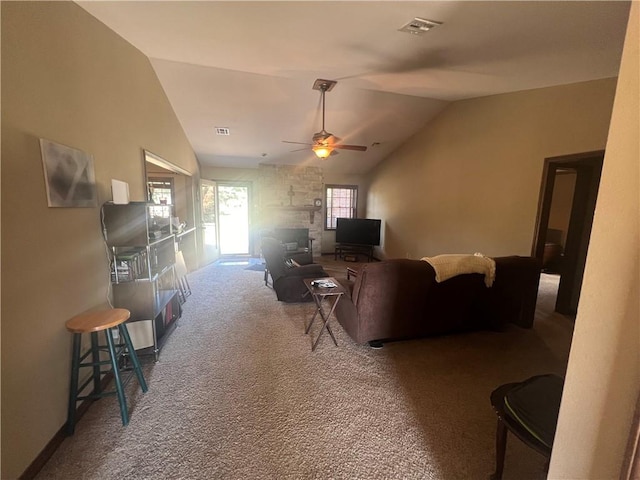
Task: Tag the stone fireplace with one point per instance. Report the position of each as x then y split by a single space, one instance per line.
286 200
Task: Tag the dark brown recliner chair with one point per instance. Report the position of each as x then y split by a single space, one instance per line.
286 278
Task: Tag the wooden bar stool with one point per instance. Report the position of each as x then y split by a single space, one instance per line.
94 322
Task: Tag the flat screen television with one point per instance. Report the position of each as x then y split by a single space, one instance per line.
358 231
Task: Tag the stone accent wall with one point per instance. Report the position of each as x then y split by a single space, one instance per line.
276 205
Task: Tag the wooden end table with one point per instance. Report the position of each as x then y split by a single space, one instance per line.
319 294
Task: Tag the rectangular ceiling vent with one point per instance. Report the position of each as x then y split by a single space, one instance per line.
222 131
419 26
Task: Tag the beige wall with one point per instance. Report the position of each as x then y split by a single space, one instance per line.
67 78
470 180
602 382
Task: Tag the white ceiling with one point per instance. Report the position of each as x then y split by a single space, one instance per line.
250 66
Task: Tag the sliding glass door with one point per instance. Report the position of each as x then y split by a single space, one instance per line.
208 200
233 210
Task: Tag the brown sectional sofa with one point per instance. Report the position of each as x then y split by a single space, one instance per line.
400 299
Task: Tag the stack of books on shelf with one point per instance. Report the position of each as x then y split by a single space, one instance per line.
129 265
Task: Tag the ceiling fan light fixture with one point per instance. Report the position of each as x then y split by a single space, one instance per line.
322 151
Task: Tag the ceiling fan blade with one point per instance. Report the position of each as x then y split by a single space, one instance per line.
299 149
359 148
298 143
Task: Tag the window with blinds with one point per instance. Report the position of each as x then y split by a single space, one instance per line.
160 193
341 202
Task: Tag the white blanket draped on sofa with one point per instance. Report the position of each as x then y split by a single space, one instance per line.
450 265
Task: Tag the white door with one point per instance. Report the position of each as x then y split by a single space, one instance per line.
209 211
233 215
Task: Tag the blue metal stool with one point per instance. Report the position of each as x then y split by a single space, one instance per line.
94 322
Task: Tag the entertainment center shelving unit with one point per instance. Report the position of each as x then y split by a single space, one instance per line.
143 278
345 249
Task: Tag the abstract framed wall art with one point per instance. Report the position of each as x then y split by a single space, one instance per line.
69 176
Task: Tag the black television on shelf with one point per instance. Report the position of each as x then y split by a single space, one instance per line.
358 231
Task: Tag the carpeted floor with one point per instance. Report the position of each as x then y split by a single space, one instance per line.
238 394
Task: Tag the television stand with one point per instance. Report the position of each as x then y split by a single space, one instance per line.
349 248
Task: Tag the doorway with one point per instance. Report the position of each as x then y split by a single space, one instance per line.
583 172
233 213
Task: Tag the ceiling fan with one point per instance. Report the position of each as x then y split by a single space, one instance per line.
325 143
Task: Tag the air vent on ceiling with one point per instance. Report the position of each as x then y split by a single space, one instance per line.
419 26
222 131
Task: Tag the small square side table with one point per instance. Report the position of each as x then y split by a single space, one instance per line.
319 294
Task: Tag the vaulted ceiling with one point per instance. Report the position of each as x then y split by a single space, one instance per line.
250 66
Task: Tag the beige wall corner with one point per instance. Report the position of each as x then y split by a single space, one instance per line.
470 180
604 365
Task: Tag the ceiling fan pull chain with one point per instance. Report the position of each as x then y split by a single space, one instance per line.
323 91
